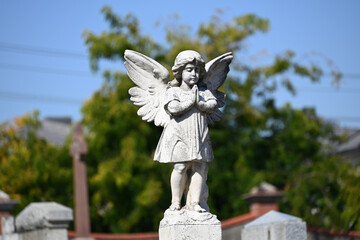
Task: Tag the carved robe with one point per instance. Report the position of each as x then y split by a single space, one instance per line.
185 137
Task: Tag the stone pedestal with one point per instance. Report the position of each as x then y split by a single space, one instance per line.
275 225
189 225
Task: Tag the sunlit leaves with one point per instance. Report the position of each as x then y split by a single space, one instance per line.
325 194
256 141
30 168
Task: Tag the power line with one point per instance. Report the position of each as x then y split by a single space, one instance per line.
329 90
353 76
40 51
50 100
343 118
38 98
65 53
18 67
26 49
44 70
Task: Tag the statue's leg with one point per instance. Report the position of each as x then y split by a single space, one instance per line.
178 182
204 194
198 179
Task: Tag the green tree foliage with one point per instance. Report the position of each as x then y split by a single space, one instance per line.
33 170
326 194
128 189
256 141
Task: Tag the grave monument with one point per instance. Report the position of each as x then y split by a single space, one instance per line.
78 150
184 106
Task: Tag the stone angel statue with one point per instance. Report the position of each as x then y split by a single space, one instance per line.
184 107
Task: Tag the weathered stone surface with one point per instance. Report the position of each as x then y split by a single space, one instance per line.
6 204
275 225
44 234
189 225
10 237
43 215
7 225
184 107
8 228
4 196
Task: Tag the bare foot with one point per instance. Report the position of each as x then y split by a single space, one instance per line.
196 207
175 206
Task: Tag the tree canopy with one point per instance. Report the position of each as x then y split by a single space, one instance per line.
31 169
256 141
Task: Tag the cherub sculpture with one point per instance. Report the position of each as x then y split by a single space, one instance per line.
184 107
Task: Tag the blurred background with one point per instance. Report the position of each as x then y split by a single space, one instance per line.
44 62
291 118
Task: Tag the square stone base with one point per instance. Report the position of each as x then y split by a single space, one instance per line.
189 225
53 234
190 232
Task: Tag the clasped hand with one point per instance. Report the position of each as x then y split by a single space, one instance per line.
207 106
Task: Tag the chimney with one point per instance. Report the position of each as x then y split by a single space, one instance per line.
6 205
263 199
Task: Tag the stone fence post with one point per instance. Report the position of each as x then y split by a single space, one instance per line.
275 226
38 221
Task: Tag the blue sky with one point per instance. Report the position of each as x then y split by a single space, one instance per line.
44 64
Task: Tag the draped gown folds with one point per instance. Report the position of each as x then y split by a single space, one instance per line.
185 137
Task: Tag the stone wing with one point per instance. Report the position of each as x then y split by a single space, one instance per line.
151 80
216 73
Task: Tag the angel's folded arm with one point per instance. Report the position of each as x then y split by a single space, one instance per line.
208 106
176 108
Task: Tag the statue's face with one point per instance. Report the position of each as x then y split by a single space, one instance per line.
190 74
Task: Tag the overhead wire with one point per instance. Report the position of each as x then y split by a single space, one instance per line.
35 97
19 48
26 49
329 90
18 67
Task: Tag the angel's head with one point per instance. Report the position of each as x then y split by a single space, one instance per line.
184 58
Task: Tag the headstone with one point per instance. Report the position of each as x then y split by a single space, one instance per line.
275 226
78 150
43 221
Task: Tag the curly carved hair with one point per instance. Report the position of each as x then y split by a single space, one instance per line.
183 58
